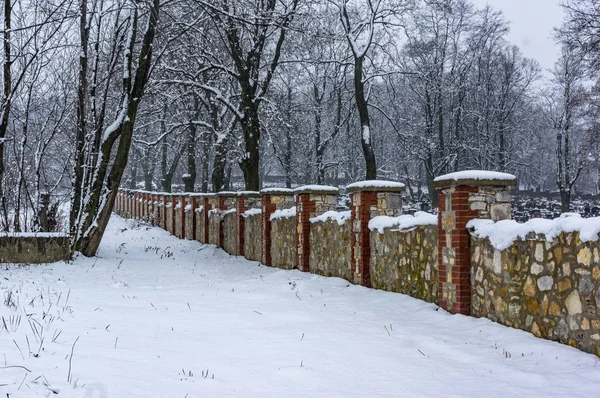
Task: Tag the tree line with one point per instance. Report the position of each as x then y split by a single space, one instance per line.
198 93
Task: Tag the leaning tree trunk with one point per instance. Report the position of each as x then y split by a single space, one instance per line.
105 185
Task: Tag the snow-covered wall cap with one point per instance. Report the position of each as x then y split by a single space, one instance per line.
34 235
251 212
339 216
503 234
226 193
320 189
475 178
277 191
201 195
248 193
376 186
402 222
283 213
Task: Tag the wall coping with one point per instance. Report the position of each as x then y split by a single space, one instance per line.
376 186
318 189
200 194
277 191
226 193
248 194
475 178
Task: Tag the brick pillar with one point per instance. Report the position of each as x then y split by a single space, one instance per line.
134 204
272 199
173 199
143 205
183 199
138 209
311 201
164 199
245 200
369 199
193 216
463 196
149 206
225 201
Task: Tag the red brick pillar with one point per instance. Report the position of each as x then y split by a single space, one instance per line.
194 204
152 208
149 206
225 201
311 201
245 200
272 199
369 199
183 200
173 200
139 205
163 219
464 196
136 203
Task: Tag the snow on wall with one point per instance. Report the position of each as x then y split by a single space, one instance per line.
503 234
406 221
341 217
283 213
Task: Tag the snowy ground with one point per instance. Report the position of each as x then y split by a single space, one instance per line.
157 316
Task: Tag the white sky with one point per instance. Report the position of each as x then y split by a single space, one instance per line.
531 24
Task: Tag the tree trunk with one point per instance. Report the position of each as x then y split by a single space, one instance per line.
250 163
107 177
365 125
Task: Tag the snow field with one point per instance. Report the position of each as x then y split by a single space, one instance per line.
157 316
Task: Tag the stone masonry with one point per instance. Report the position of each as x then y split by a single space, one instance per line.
245 200
272 199
459 201
369 199
310 201
551 289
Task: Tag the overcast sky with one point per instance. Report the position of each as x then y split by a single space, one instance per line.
531 24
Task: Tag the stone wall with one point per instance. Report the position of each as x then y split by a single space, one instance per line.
200 224
229 226
283 242
406 261
330 249
34 249
214 221
253 237
189 222
169 212
178 218
551 289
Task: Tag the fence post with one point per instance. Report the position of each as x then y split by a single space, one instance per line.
311 200
369 199
463 196
272 199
